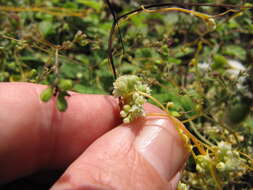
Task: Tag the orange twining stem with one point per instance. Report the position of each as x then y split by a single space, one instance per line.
182 127
176 122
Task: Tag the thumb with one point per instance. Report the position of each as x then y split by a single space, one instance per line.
145 154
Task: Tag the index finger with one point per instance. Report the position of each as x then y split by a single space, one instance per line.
34 135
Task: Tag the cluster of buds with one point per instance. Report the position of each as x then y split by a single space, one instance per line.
129 89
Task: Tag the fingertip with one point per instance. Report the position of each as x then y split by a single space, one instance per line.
86 119
139 155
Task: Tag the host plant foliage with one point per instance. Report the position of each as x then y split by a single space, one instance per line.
195 58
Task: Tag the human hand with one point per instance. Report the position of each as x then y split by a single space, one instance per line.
85 142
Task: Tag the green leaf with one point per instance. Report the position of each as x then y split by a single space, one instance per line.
46 28
71 5
181 51
87 90
237 113
70 70
174 60
235 51
97 5
219 62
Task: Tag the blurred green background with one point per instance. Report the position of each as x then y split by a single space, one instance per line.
203 74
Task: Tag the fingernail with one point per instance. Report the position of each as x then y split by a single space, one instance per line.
159 143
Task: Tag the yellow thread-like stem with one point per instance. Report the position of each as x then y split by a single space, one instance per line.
191 118
216 178
53 11
154 99
181 126
195 13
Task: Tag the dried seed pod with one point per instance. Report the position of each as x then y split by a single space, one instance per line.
61 103
65 84
47 94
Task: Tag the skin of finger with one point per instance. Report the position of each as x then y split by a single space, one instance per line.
34 135
112 162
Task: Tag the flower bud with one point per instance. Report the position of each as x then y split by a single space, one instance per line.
126 108
221 166
126 120
123 113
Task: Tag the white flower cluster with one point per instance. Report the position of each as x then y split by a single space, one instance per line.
203 163
228 160
182 186
128 87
